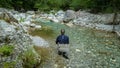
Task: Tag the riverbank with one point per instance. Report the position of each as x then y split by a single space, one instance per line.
85 19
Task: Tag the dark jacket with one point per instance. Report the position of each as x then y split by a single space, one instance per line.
62 39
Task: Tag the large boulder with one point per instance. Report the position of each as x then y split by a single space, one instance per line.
69 15
97 21
60 15
85 17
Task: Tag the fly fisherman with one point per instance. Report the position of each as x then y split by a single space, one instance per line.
62 42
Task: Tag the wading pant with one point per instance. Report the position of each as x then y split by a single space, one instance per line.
63 49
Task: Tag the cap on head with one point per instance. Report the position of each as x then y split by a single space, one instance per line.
62 31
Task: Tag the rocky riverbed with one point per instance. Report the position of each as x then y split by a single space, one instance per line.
89 48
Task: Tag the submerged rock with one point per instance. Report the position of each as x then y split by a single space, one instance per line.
69 24
38 41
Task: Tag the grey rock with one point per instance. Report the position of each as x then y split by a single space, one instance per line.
7 17
60 15
97 21
30 12
69 15
39 41
3 10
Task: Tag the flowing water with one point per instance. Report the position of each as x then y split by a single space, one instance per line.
89 48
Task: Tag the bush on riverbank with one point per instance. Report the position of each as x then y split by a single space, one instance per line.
30 59
9 64
6 50
47 5
44 52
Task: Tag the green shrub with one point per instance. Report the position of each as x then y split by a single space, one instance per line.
109 10
22 19
6 50
9 64
45 54
30 59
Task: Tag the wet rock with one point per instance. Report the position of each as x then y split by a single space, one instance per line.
69 24
35 26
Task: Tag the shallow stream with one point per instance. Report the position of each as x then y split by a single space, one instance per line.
89 48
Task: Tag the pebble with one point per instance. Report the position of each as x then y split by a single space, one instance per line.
38 26
78 50
55 65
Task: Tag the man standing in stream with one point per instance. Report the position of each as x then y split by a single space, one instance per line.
62 42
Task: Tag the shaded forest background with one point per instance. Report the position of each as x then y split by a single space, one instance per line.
106 6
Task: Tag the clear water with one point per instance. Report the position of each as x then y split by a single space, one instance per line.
89 48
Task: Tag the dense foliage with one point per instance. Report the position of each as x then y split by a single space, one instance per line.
46 5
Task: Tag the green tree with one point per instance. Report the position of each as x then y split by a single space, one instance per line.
5 3
46 5
52 4
82 4
17 4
